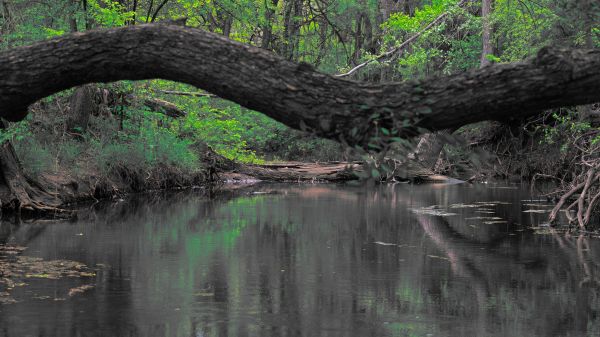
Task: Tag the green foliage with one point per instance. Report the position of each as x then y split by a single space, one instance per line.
522 27
565 128
325 34
144 144
109 13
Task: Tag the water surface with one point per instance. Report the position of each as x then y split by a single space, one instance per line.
312 260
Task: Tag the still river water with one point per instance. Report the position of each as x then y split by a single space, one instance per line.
312 260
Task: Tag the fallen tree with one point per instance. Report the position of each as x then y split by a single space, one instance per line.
295 94
164 107
358 114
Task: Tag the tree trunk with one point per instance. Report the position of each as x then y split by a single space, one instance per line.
291 28
72 17
88 24
323 28
8 20
486 35
267 36
160 6
358 38
134 10
82 106
430 147
296 94
18 192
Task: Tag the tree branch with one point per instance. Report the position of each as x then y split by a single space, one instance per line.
403 45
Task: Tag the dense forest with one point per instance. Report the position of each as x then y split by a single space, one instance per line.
316 168
405 77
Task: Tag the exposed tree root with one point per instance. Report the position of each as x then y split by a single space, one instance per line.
20 193
588 190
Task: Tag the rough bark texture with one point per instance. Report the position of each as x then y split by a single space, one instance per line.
430 146
82 105
18 192
294 172
291 93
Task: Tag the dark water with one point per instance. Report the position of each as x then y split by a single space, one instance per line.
316 260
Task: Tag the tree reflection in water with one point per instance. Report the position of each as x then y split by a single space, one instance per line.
298 260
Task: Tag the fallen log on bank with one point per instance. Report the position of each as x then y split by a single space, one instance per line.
302 172
164 107
327 172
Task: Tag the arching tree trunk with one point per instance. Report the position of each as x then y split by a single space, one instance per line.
296 94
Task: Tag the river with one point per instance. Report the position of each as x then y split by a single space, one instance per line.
311 260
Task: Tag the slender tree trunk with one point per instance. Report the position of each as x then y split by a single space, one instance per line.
323 29
358 38
86 16
155 15
226 25
72 17
368 33
8 20
409 7
287 18
134 10
291 28
267 37
149 12
486 35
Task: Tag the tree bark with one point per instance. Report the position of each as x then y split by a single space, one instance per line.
267 35
134 10
82 105
296 94
72 17
18 192
486 35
